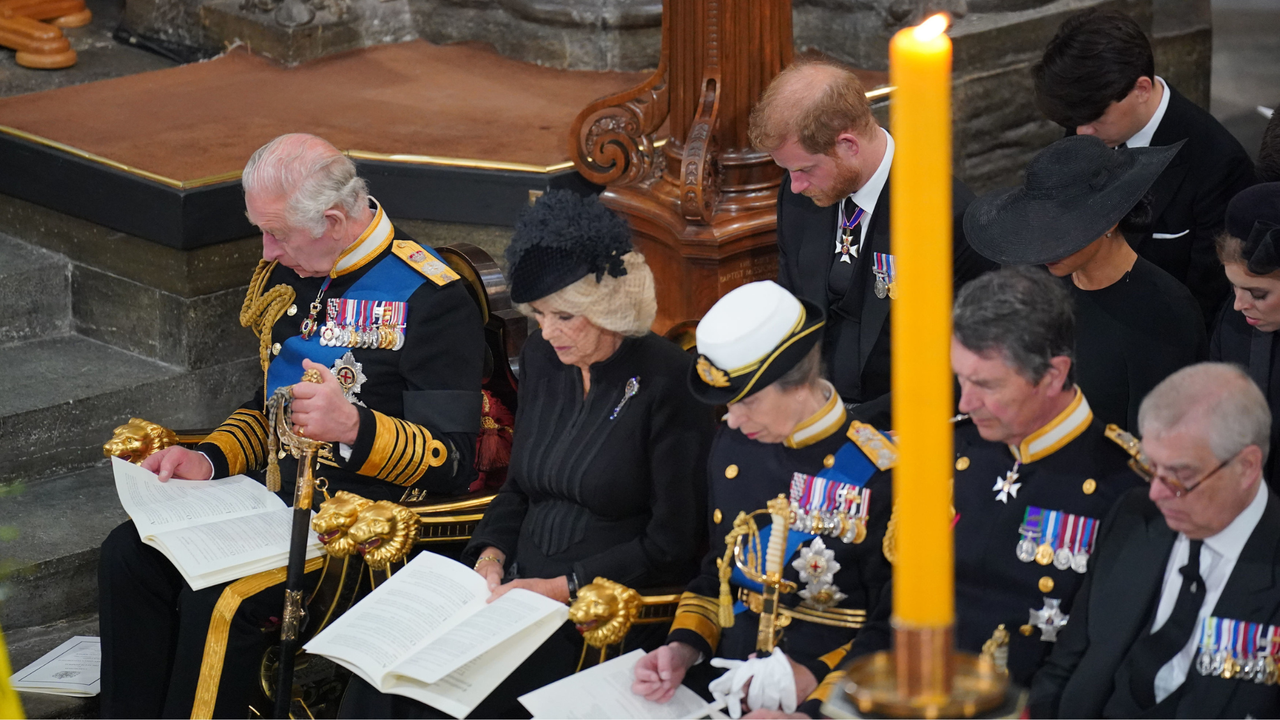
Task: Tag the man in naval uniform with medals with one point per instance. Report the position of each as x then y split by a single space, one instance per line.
1035 475
787 445
398 344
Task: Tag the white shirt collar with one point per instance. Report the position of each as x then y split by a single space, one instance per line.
1142 138
1230 541
372 241
869 194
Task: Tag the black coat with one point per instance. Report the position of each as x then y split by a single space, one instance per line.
993 586
743 476
586 492
1190 200
1115 605
856 338
1235 341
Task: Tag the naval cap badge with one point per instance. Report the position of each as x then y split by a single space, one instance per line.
710 374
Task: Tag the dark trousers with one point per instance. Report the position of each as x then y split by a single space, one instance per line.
153 628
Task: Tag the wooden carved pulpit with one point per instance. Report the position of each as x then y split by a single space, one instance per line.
703 204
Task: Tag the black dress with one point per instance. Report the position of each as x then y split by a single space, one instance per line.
598 487
1131 335
1235 341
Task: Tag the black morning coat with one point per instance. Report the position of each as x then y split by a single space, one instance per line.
856 339
1069 466
1190 200
1116 604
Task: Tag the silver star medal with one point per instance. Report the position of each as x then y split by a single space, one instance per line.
842 249
1007 486
1049 619
818 567
350 375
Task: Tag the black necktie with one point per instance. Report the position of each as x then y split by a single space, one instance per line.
847 251
1152 651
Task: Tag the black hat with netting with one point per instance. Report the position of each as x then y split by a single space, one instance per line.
561 239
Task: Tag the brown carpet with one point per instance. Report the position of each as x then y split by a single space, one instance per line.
204 119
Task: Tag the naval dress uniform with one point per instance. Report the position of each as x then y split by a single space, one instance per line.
403 336
1026 521
829 469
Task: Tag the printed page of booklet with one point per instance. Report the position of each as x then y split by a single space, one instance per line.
604 691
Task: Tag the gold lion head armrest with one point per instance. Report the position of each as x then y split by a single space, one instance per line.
605 610
137 440
382 532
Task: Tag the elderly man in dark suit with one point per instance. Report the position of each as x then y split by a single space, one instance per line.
1178 614
833 220
1097 77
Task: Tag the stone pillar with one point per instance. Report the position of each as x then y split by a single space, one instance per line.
703 204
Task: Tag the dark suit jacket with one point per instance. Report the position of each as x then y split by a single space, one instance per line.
1191 198
857 362
1114 606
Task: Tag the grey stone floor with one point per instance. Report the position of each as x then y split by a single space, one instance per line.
1246 66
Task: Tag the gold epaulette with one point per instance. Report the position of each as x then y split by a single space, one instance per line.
1137 459
424 262
878 448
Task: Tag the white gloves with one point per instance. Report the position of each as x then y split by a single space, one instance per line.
773 684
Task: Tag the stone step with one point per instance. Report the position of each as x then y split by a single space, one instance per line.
28 644
35 292
65 394
60 524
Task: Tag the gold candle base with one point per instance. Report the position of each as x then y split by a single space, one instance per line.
924 677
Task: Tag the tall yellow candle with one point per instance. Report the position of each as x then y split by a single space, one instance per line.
920 222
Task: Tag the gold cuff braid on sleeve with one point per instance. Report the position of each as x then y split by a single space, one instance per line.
835 657
699 614
829 684
242 438
402 451
215 643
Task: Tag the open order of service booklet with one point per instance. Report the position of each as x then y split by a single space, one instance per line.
604 692
213 531
429 634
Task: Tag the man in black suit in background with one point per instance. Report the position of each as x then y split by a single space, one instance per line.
1097 77
833 220
1182 598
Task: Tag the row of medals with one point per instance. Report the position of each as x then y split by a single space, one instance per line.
1261 669
884 287
835 524
1044 554
374 337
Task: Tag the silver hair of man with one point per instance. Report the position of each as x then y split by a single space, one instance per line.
1219 396
314 176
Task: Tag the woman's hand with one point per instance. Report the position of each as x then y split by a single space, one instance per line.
490 566
658 674
555 588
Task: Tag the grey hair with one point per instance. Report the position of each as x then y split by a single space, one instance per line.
626 305
314 176
1221 397
1023 313
806 372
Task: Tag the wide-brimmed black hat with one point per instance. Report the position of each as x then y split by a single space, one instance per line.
561 239
751 337
1075 191
1253 216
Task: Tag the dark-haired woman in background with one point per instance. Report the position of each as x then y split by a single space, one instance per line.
1135 323
1249 248
608 466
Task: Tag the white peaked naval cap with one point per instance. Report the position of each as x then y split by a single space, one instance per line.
747 324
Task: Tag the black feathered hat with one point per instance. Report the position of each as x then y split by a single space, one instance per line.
1253 216
1076 189
561 239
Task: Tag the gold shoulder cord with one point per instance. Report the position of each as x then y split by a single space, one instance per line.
261 310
